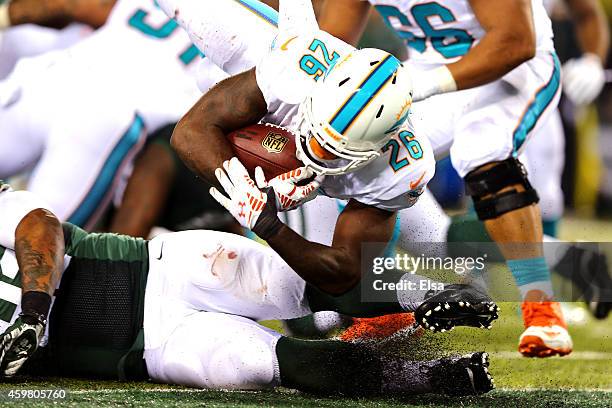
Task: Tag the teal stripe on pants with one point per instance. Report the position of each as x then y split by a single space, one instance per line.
536 108
107 175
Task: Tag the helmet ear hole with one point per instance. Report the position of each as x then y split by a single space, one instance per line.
374 63
344 81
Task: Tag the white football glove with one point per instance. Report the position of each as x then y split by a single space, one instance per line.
288 194
583 79
253 208
18 343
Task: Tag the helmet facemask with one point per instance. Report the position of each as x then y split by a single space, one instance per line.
347 161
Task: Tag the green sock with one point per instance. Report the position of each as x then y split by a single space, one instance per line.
328 366
356 369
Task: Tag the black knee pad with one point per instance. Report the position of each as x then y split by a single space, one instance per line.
479 184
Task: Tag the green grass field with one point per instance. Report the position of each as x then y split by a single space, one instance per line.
583 379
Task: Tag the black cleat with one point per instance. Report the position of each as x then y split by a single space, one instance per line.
463 375
456 305
588 270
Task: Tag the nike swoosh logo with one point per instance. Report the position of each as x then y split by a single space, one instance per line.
161 252
284 46
415 184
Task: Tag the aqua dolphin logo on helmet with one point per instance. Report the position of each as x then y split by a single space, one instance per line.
353 111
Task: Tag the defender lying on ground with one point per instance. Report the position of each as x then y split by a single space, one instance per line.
182 309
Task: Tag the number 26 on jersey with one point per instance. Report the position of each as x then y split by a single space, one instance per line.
398 159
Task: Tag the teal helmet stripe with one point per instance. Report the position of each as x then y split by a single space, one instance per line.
368 89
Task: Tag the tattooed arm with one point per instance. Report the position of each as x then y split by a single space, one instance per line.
199 138
39 247
59 13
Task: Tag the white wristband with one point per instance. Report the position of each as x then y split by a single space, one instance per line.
444 78
5 18
432 82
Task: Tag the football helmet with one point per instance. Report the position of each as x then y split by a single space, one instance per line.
353 111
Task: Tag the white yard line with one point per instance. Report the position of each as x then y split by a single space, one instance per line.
195 391
576 355
536 389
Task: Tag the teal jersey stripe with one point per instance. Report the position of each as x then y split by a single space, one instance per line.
351 109
107 175
536 108
262 10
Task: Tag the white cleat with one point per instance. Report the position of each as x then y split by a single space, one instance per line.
545 341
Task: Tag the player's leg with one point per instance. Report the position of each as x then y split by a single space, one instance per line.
22 142
359 369
231 274
234 35
89 146
544 157
487 140
219 351
215 350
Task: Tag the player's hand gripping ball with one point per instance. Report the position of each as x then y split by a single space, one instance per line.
289 195
253 208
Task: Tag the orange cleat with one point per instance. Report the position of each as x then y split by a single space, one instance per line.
376 328
546 332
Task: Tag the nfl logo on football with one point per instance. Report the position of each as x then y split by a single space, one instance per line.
274 142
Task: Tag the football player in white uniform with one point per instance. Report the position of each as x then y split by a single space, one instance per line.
583 80
500 57
77 117
182 309
349 109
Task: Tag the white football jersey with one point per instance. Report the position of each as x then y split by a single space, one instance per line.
142 54
286 76
443 31
29 40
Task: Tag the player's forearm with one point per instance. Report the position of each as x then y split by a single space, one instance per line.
49 13
59 13
203 150
591 27
345 19
332 270
39 247
497 54
199 138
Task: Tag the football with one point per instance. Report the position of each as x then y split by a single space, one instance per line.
271 147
